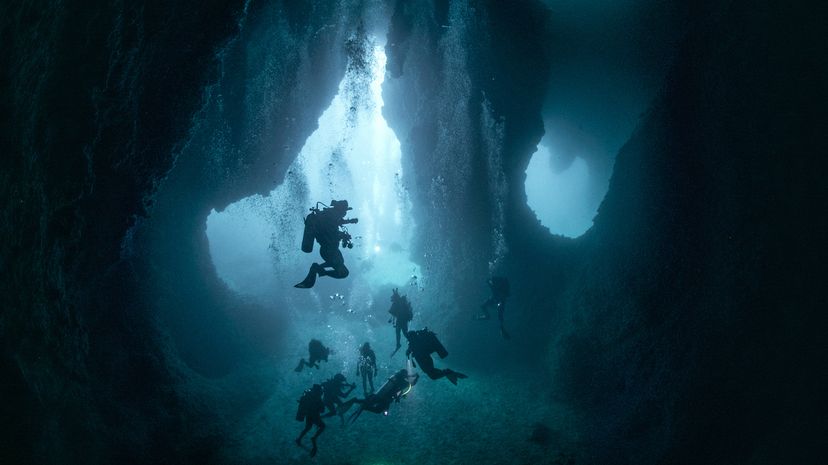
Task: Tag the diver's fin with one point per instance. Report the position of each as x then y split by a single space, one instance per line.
453 376
309 280
504 334
313 449
355 415
395 351
300 366
343 409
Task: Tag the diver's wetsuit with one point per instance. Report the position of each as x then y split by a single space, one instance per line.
317 352
421 344
328 235
392 390
332 392
311 408
500 291
367 368
401 314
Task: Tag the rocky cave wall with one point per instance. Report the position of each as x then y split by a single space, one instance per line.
689 332
681 329
465 89
95 100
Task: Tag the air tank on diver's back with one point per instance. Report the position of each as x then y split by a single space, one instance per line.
309 235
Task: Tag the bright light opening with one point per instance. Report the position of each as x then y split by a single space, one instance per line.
352 155
561 200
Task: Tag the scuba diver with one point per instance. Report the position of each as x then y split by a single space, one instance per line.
309 411
331 393
395 388
401 314
422 344
317 352
324 226
367 367
500 291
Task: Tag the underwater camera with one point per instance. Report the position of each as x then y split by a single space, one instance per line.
346 240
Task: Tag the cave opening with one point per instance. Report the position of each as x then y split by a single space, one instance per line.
563 191
353 154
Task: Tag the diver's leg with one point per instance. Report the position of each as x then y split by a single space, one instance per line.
356 414
484 309
308 426
335 261
310 279
301 365
397 330
331 409
501 306
328 259
339 409
347 406
427 365
339 271
320 427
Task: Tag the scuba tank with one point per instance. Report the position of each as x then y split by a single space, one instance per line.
310 231
306 403
302 410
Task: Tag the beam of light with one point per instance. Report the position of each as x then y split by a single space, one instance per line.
352 155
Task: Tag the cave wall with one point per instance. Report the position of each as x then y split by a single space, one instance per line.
465 86
685 327
690 330
277 77
95 98
100 102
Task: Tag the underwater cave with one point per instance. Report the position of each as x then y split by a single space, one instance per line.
646 175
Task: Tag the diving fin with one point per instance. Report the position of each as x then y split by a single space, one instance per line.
310 279
453 376
355 415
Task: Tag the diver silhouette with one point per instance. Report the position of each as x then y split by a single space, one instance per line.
332 392
310 411
324 227
401 314
367 367
421 344
316 352
395 388
500 291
